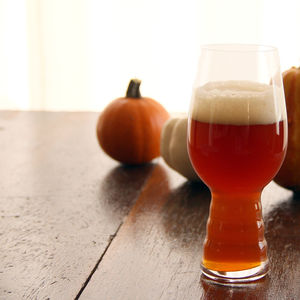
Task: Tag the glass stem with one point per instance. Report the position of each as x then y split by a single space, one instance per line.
235 233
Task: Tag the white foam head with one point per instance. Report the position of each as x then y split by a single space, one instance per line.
238 102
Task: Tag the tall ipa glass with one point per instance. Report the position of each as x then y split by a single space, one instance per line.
237 139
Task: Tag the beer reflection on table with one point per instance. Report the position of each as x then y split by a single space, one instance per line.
251 291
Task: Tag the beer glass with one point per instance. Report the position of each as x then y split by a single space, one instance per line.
237 140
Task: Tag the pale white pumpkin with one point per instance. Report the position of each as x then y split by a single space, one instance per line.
173 147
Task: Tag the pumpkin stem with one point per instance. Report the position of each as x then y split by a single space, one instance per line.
133 90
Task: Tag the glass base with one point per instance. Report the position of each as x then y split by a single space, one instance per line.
237 276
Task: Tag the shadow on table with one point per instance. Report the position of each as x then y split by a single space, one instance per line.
282 225
184 215
284 218
121 187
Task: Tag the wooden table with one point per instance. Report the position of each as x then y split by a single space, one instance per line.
74 224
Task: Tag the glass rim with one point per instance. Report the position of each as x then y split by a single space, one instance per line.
238 48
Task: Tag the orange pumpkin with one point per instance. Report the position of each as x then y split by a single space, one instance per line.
129 128
289 174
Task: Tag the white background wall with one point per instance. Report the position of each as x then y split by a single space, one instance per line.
80 54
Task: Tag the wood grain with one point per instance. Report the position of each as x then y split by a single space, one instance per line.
61 202
76 224
157 252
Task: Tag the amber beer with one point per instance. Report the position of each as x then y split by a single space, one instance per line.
236 151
